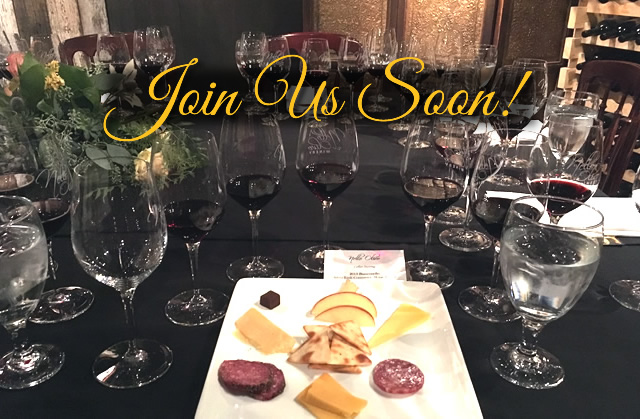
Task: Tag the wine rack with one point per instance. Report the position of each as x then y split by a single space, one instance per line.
581 17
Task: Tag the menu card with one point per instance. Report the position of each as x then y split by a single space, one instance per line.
364 264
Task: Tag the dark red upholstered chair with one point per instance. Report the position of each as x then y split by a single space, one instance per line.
295 40
619 80
87 45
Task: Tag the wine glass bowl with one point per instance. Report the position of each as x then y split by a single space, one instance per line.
277 47
353 63
112 50
487 58
316 53
546 269
153 49
251 52
23 256
383 49
572 102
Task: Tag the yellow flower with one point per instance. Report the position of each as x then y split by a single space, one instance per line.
53 66
157 168
53 81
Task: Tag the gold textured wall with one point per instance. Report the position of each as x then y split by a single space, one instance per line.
352 17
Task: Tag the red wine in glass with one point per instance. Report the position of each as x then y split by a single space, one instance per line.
352 74
564 188
377 70
432 195
151 69
192 219
253 191
316 77
327 180
491 213
275 73
252 70
53 213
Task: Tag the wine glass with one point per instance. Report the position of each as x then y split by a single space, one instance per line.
153 50
112 50
572 102
253 163
18 163
327 161
193 195
448 44
119 236
487 58
569 163
433 179
251 52
490 200
353 62
546 270
382 49
406 72
539 74
315 52
44 47
23 256
277 47
627 291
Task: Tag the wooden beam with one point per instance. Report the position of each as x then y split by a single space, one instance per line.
308 15
32 17
64 18
8 22
93 16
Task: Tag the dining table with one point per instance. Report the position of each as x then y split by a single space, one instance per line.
597 342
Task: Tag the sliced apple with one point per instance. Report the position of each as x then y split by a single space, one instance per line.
344 313
345 299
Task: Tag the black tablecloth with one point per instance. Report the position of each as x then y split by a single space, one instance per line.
597 342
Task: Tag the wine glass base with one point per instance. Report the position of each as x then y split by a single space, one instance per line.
376 108
538 372
39 363
464 240
197 307
281 116
381 98
398 126
402 141
627 293
357 117
125 366
312 259
425 271
452 216
487 304
61 305
255 267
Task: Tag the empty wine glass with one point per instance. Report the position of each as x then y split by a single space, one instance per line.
119 236
315 52
490 197
406 72
546 269
18 163
277 47
448 44
487 58
353 62
112 50
433 179
627 291
23 256
382 49
193 195
539 74
251 52
253 163
572 102
327 161
44 47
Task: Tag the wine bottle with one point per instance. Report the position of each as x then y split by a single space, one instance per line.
603 26
594 52
631 35
622 28
603 1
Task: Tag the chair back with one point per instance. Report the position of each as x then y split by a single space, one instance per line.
295 40
618 81
87 45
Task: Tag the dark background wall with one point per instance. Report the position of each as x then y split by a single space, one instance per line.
208 29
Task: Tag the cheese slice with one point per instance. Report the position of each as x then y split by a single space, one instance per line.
327 394
315 411
262 334
405 318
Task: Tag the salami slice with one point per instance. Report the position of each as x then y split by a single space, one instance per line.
244 377
395 376
275 387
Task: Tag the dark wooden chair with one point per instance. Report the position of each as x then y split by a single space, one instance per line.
85 44
619 81
296 40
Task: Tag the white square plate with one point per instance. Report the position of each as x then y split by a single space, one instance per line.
433 346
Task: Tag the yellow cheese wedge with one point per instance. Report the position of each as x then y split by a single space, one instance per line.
262 334
405 318
315 411
327 394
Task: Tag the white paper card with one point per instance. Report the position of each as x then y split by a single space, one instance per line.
364 264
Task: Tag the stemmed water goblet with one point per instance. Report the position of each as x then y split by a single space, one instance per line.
327 161
193 194
277 47
433 179
112 50
23 257
119 236
546 269
253 163
572 102
487 56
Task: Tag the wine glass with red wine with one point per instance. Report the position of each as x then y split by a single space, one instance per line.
490 201
153 50
567 163
433 179
253 163
251 52
382 49
187 166
405 71
353 63
327 162
315 52
112 50
278 47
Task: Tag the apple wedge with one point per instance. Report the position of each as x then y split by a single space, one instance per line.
344 313
345 299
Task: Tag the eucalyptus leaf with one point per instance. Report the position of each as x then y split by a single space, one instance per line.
119 154
28 62
106 82
98 156
32 85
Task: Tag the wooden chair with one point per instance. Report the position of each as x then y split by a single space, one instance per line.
296 40
85 44
619 81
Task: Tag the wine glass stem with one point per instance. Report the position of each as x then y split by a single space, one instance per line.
275 97
254 216
351 98
192 249
495 273
530 330
467 212
378 90
127 302
20 343
52 263
252 83
428 221
326 207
